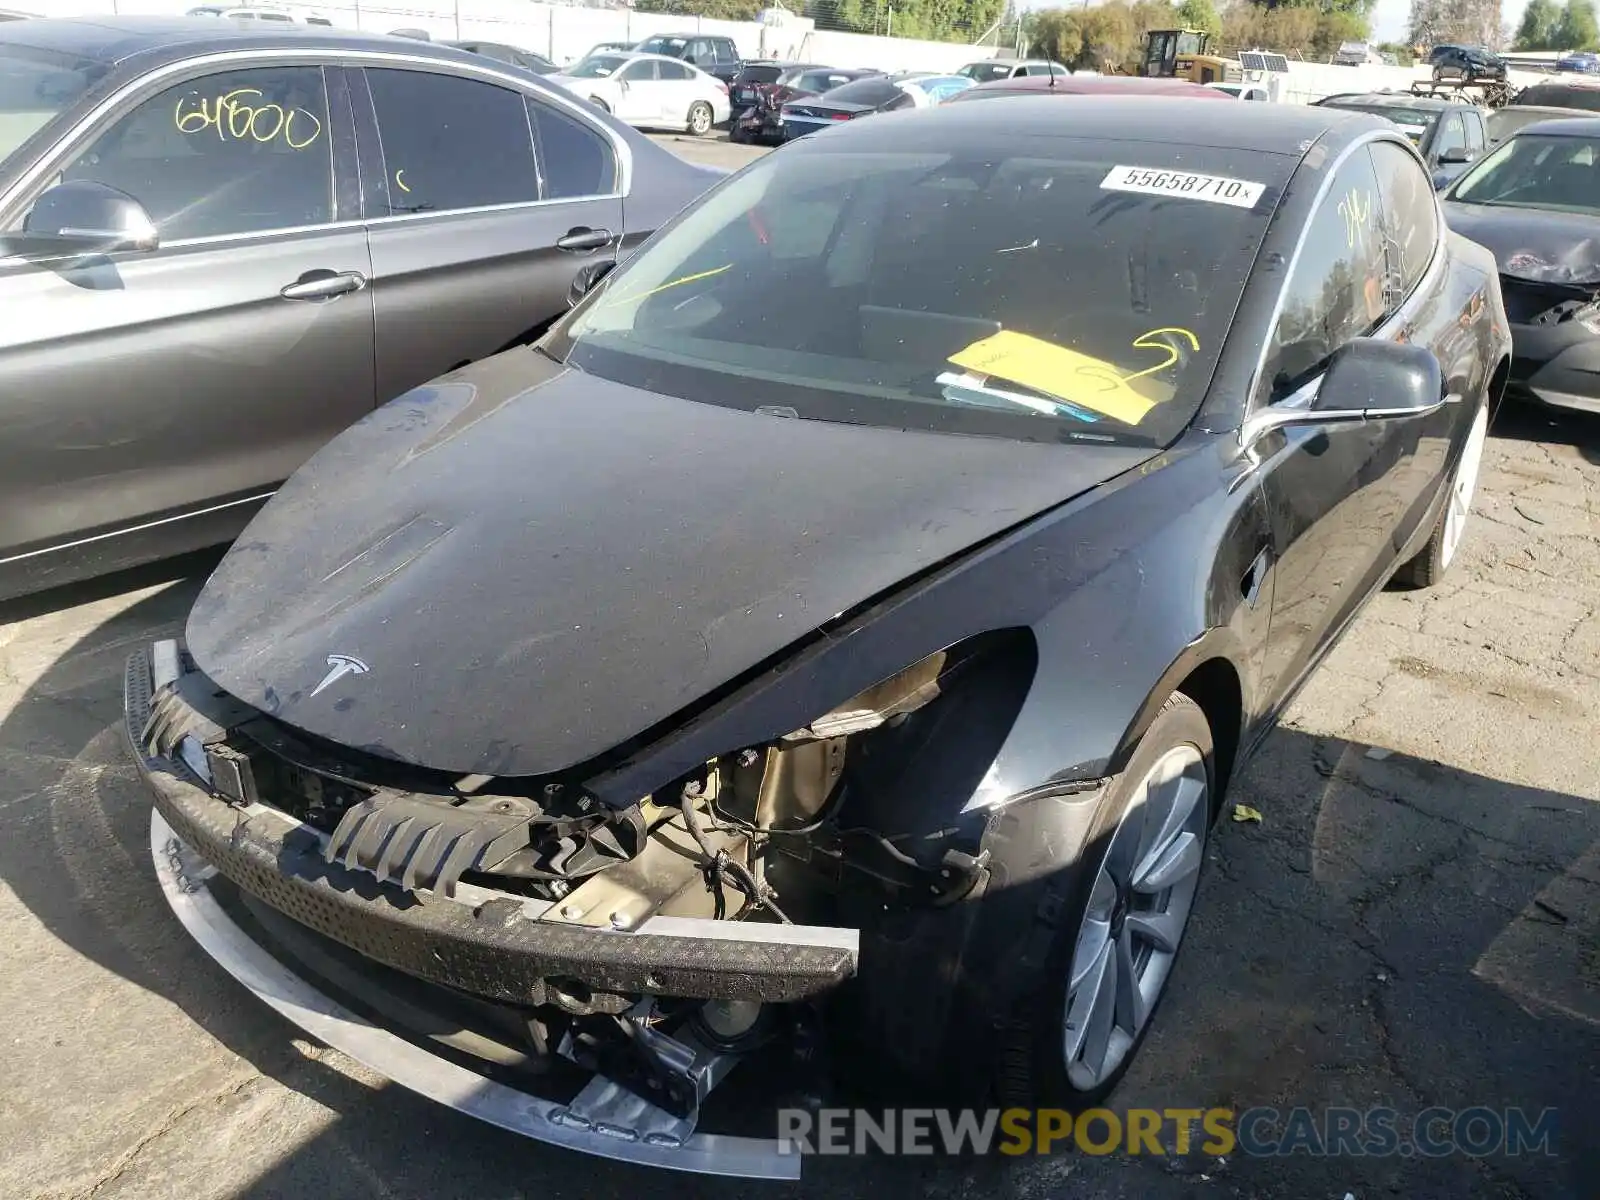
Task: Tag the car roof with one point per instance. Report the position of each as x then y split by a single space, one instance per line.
1576 127
1552 109
1080 85
1395 100
1271 129
111 40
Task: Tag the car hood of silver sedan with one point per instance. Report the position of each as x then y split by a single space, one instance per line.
520 567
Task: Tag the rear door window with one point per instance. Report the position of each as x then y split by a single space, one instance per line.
450 142
1411 221
1338 289
577 160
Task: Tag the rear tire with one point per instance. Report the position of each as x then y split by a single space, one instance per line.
700 118
1431 563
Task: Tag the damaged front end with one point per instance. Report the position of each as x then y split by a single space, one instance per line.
639 951
1556 340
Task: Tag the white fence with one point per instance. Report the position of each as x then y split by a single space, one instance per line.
564 32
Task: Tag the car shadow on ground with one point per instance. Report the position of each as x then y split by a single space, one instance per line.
1532 423
1396 932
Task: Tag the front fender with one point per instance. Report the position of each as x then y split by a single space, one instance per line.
1124 590
1114 651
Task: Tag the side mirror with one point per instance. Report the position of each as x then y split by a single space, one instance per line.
587 279
1455 156
1368 379
80 217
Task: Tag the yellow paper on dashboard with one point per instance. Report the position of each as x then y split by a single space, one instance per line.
1077 379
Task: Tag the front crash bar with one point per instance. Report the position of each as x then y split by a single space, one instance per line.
184 880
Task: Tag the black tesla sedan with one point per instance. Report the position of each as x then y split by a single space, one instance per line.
814 637
1534 201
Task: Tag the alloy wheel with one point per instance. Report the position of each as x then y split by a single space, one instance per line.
1138 908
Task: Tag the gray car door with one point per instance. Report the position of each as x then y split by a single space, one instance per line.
143 387
483 201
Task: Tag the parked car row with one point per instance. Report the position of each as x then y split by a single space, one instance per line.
649 90
827 601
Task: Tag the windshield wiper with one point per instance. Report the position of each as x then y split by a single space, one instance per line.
963 388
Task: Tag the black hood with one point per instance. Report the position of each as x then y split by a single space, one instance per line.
519 567
1532 243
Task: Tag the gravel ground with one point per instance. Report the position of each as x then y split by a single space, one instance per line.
1416 921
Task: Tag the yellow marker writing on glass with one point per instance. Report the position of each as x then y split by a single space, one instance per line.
698 275
232 117
1089 383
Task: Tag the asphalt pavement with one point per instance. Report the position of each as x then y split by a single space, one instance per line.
1415 921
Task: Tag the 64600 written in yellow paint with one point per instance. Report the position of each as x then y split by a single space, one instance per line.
234 115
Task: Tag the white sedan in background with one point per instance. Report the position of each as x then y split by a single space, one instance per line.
649 90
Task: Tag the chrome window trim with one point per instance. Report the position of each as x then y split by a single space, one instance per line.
1305 392
73 138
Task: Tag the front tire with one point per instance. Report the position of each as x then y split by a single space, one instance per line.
700 118
1431 563
1073 1038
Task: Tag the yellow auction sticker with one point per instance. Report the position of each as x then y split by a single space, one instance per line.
1088 383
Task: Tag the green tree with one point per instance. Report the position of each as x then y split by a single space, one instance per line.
1055 33
1200 14
1538 28
1333 29
1110 37
723 10
1577 29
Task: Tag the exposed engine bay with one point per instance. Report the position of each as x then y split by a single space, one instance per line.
859 815
1548 302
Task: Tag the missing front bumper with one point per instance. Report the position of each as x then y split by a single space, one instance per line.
489 947
479 944
603 1121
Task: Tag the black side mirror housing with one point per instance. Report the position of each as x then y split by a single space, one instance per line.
587 279
81 217
1379 378
1367 379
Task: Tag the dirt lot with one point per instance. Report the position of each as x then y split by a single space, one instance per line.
1415 922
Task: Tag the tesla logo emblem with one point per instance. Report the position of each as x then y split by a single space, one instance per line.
339 665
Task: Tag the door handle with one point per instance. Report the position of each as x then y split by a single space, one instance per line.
583 239
324 285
